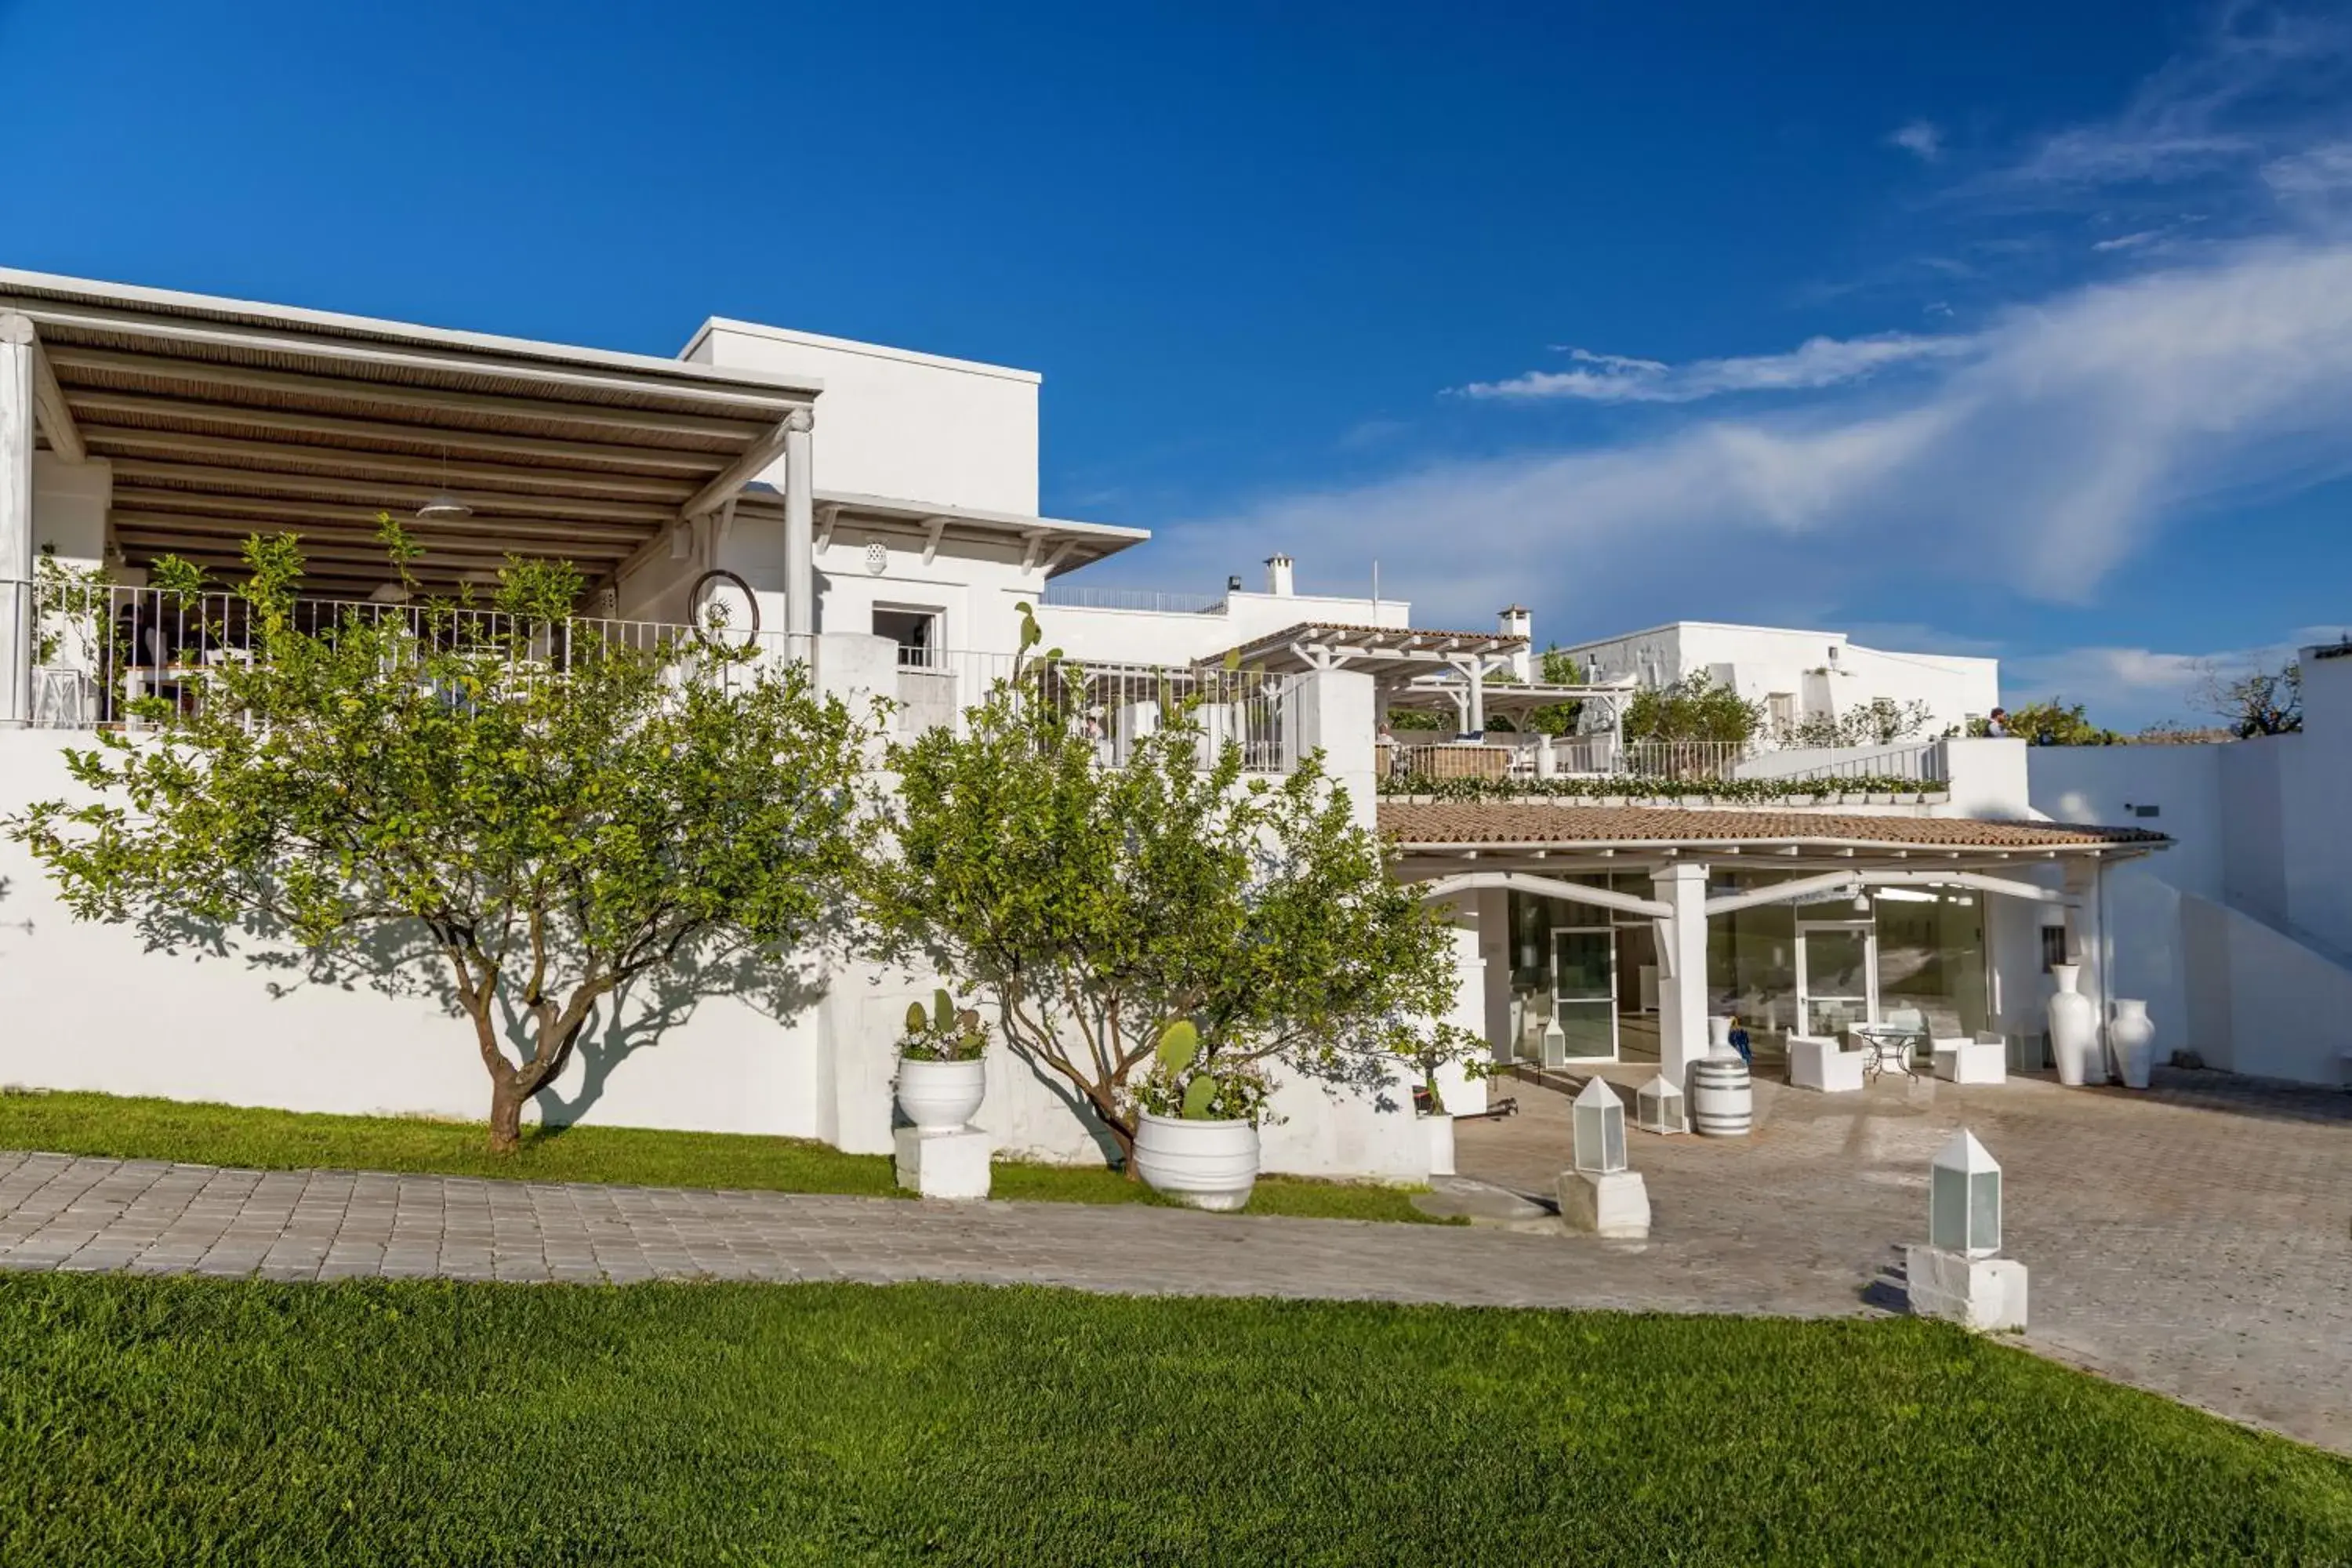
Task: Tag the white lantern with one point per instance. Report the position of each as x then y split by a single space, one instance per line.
1600 1128
1964 1199
1555 1043
1659 1107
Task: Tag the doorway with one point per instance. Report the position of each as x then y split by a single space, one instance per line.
1837 975
1583 994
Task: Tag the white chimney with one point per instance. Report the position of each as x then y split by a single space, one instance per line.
1516 622
1277 575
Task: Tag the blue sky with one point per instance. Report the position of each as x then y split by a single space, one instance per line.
2015 329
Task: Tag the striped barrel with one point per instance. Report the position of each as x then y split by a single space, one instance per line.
1722 1099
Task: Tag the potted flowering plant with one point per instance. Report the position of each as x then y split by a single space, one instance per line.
942 1077
1448 1044
1197 1120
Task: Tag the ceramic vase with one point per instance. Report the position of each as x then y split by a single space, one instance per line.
2075 1030
2133 1035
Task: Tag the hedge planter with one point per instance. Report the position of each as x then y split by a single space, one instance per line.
1207 1164
941 1097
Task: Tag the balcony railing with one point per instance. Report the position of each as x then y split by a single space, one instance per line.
98 650
1602 756
1114 705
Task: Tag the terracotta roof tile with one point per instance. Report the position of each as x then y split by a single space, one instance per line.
1504 822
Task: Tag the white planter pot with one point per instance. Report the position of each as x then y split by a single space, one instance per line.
2075 1030
1718 1037
941 1097
2133 1035
1207 1164
1440 1144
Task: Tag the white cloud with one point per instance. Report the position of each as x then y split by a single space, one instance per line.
1921 139
2260 81
2127 241
2041 451
1816 363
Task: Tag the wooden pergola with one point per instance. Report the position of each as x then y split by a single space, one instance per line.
1418 668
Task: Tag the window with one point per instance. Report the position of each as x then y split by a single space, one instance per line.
915 631
1781 706
2054 946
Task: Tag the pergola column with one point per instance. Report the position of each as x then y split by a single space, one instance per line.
1682 967
17 350
2088 947
799 528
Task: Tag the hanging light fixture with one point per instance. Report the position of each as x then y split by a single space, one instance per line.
441 506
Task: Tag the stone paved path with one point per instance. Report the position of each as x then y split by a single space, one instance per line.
2197 1242
2195 1239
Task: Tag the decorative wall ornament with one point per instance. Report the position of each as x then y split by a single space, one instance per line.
877 558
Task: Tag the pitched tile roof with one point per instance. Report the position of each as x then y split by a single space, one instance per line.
1504 822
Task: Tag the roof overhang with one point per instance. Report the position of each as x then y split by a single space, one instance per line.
224 417
1051 544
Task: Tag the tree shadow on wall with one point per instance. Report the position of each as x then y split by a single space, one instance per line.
399 960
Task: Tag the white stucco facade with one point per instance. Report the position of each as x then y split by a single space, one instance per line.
2241 937
1797 674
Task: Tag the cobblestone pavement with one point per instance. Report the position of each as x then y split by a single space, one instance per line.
2200 1250
2195 1238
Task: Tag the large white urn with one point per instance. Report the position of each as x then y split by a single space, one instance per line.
941 1097
2075 1030
1207 1164
2133 1035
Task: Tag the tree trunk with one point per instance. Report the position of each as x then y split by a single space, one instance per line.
507 1095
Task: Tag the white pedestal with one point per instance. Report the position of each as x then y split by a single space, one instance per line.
1616 1204
1984 1293
944 1164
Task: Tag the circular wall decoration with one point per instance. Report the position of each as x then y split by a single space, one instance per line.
723 609
877 559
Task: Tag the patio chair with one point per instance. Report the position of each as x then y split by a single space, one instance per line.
1819 1063
1984 1060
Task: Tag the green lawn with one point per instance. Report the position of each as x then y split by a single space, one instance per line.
203 1134
192 1421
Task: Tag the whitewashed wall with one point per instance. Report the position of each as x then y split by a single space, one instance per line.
893 423
85 1006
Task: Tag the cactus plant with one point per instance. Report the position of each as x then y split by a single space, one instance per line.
943 1007
1199 1095
1179 1045
916 1022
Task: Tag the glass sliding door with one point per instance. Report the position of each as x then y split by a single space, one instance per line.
1837 975
1584 994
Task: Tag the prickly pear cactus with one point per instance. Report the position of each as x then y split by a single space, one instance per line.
916 1022
1198 1096
1179 1045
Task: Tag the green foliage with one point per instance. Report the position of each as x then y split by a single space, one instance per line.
1695 708
1633 786
435 803
1416 719
1096 905
1881 722
208 1421
1200 1094
1558 667
69 610
2054 723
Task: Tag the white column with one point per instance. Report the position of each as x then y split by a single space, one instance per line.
800 527
2086 923
1331 710
1463 1093
16 522
1681 969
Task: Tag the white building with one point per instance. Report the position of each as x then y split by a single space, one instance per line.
875 511
1796 675
2241 938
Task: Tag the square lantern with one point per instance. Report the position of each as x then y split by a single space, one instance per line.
1964 1199
1598 1118
1659 1107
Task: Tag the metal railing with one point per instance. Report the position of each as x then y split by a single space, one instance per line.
1603 756
1114 705
1923 762
1086 597
98 650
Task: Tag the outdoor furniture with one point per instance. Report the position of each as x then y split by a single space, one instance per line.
1983 1060
1462 761
1890 1042
1819 1063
